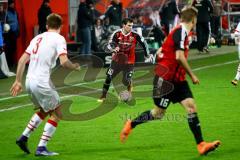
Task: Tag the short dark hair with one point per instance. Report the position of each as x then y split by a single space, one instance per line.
54 21
188 13
126 20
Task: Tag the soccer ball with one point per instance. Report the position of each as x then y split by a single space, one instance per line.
125 96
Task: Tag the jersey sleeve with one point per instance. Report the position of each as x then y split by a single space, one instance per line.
61 46
143 43
179 37
113 41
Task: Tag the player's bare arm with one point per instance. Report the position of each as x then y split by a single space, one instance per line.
66 63
183 61
17 85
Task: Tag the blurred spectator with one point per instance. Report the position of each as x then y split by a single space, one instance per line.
205 8
168 14
157 30
216 21
154 16
43 12
98 34
2 13
10 37
2 75
114 13
85 20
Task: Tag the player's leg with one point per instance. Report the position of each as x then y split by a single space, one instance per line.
36 119
194 124
193 119
149 115
161 104
112 71
49 101
106 85
127 77
237 77
33 124
49 129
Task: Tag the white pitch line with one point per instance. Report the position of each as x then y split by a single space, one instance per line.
215 65
16 107
29 104
68 96
25 95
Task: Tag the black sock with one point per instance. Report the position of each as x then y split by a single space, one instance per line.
195 127
142 118
106 86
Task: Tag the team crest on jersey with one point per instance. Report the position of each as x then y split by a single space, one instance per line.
131 38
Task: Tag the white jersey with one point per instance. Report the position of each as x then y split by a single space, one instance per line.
44 50
237 30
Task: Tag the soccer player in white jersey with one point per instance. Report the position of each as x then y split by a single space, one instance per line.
43 52
237 34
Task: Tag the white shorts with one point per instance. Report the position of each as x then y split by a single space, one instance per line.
43 94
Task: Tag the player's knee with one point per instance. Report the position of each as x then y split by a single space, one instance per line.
191 107
127 79
42 113
126 82
157 112
56 115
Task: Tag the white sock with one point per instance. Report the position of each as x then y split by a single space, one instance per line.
49 129
239 49
33 124
238 73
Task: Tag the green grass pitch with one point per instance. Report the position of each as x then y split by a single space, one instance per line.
169 139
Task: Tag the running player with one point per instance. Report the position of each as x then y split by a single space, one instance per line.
43 52
173 56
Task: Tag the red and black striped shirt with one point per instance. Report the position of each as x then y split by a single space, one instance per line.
167 66
127 44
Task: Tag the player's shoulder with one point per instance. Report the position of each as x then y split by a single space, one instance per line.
60 37
135 33
179 33
117 31
180 29
55 36
36 38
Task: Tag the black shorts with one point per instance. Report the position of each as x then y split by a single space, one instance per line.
165 92
126 69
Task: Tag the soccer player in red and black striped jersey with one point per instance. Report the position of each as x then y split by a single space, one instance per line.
172 67
122 45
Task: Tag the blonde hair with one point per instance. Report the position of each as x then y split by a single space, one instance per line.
54 21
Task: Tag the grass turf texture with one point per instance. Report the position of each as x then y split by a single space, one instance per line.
169 139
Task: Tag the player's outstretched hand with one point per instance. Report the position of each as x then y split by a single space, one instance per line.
16 88
150 59
195 79
116 50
